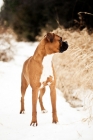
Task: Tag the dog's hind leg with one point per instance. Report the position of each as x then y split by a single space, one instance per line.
42 92
24 86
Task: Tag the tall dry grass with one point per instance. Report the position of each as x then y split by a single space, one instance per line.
74 68
7 45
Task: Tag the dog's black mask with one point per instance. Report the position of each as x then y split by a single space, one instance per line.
64 46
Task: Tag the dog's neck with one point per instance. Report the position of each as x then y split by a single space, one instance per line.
39 53
39 57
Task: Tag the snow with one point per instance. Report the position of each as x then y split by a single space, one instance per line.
15 126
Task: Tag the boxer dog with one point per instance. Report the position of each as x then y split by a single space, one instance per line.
39 74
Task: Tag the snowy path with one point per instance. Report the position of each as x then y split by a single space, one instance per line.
15 126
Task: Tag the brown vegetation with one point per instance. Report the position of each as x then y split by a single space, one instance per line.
6 44
74 68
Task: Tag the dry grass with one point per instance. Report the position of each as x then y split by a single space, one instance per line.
7 47
74 68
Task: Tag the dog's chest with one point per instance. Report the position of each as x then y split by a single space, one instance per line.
47 68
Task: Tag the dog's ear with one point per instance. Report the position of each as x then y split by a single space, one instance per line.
50 37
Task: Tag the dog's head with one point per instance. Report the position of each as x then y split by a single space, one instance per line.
55 44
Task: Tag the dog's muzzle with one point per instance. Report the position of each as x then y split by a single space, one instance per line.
64 46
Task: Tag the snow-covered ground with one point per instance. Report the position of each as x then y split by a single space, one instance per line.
15 126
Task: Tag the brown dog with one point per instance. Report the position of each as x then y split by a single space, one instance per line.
38 74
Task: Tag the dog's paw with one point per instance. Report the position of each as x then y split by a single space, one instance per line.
34 124
55 122
22 112
44 111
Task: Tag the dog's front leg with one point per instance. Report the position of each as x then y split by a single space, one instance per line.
53 102
34 107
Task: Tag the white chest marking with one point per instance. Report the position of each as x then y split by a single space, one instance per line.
47 68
